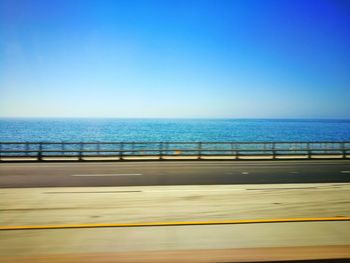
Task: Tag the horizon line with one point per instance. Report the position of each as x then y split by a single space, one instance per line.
178 118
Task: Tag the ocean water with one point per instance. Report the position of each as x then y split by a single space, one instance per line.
172 130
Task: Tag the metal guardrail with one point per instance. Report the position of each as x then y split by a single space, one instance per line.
80 150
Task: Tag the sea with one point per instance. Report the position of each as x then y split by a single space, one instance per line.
172 130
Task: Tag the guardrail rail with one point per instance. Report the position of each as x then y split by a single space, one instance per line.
41 151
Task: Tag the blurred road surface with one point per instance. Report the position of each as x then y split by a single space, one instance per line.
172 173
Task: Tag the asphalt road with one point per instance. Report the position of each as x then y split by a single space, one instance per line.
19 175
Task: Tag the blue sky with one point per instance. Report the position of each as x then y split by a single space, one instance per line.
181 59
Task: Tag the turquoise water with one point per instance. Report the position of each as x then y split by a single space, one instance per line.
145 130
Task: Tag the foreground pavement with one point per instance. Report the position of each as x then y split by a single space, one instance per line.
94 205
224 243
188 243
306 190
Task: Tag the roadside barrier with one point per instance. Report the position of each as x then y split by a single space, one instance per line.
41 151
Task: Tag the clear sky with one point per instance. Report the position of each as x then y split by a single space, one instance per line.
191 59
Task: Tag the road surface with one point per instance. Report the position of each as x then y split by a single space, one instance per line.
172 173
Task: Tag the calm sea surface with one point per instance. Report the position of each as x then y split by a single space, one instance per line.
35 130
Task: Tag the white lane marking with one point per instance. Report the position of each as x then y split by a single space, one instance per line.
245 173
293 172
345 172
105 174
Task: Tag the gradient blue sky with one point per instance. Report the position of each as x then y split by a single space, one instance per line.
192 59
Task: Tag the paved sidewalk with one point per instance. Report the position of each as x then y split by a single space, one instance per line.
82 205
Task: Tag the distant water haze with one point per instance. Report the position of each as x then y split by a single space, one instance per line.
190 130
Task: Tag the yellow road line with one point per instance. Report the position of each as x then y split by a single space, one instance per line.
221 222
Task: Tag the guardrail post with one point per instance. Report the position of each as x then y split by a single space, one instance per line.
199 150
161 151
343 150
121 148
81 147
40 154
235 152
238 147
166 148
308 150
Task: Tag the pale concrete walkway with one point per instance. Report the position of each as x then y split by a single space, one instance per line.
78 205
45 206
107 240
